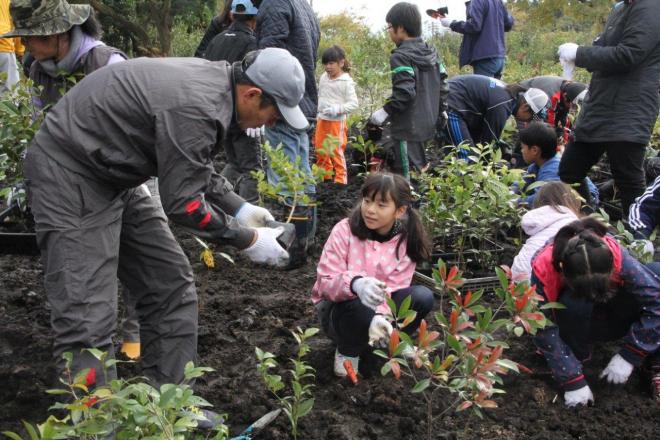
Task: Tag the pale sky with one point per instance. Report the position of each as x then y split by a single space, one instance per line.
374 11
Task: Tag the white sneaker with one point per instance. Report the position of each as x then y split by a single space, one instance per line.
340 371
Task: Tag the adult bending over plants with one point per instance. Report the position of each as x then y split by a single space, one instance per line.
368 258
607 295
110 133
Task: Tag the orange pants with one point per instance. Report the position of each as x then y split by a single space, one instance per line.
336 161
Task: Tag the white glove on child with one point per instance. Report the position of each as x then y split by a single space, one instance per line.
581 396
256 132
379 117
370 291
567 52
379 331
332 111
617 371
446 21
252 216
266 249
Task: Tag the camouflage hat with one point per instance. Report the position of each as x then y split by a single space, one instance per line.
45 17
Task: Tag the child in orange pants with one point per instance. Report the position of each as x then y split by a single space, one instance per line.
337 98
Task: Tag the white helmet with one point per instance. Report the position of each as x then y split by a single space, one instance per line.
537 100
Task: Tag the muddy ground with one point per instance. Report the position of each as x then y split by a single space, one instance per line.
244 307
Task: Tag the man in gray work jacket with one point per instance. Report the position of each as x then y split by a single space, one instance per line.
118 127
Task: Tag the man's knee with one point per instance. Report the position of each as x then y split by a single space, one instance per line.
422 298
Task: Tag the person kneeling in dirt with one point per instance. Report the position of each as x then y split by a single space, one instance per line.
118 127
607 295
370 256
479 107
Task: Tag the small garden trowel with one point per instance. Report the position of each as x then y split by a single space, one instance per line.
258 425
287 237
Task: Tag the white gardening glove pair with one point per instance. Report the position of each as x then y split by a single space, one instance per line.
379 117
252 216
617 371
581 396
568 51
379 331
266 249
332 111
256 132
446 21
370 291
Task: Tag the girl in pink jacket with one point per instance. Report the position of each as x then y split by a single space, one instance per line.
369 256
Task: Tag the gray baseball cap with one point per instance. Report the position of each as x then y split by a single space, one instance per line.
280 75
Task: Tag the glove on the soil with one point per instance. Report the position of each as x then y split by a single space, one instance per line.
370 291
581 396
266 248
252 216
617 371
256 132
379 331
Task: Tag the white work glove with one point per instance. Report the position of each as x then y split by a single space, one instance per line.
446 21
256 132
567 52
252 216
332 111
378 117
266 248
617 371
581 396
648 247
379 331
370 291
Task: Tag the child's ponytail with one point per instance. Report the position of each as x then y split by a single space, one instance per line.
418 247
584 259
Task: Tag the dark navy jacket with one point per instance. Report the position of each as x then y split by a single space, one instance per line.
645 212
483 30
232 45
642 339
292 25
483 103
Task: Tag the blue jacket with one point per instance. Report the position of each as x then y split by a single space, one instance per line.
550 171
644 213
483 30
292 25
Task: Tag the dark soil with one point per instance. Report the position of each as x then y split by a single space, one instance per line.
244 307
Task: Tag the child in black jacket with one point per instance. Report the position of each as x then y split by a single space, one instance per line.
419 91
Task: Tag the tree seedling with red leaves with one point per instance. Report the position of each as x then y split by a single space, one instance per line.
463 362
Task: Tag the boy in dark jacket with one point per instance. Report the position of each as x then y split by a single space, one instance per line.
242 151
419 90
645 212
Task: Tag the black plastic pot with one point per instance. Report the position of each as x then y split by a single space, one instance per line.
20 243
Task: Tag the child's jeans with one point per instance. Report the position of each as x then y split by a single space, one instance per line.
347 322
583 322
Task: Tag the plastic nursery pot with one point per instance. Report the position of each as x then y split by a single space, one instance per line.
19 243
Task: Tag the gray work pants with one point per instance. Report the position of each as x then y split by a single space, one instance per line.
86 233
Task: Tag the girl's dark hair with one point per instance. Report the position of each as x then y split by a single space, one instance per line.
407 16
557 194
392 186
336 54
586 262
92 26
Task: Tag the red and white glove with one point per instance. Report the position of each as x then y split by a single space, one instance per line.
618 370
581 396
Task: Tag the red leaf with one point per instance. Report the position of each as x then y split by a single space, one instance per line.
475 344
394 341
524 369
465 405
536 316
452 274
488 404
396 369
467 299
453 318
421 339
90 379
91 401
